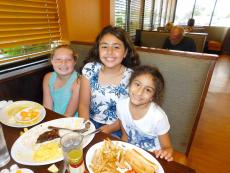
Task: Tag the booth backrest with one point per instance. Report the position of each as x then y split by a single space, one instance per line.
187 77
82 50
153 38
216 33
156 39
25 82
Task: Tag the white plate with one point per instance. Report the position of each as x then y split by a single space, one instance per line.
90 153
8 114
24 170
24 147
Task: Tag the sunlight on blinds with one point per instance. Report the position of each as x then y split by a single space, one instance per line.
27 26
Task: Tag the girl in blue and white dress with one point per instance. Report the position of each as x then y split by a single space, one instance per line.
105 78
142 120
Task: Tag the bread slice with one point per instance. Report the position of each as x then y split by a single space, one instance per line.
139 163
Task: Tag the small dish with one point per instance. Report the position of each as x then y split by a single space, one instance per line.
12 114
22 170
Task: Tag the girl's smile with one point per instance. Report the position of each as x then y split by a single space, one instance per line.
142 90
63 62
112 51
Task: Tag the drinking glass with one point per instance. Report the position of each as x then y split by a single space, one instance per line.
71 144
4 154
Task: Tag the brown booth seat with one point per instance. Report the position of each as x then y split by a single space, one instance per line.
214 45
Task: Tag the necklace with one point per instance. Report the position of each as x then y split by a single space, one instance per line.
111 73
111 77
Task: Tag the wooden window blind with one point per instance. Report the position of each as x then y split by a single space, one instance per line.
121 13
31 24
148 10
143 14
134 17
128 15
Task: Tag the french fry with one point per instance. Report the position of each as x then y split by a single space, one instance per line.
110 157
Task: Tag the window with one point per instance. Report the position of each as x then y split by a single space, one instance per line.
221 16
205 12
134 17
120 13
128 15
184 10
27 28
148 8
143 14
162 12
157 14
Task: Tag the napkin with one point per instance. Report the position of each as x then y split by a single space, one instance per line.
5 103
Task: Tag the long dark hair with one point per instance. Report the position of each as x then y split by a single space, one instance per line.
131 59
157 78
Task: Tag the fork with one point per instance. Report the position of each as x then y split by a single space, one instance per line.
93 132
73 130
86 128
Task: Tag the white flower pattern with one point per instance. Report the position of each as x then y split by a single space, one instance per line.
104 98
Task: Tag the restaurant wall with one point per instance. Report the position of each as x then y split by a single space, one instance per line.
85 19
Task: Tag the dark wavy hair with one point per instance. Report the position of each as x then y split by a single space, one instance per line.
131 59
157 79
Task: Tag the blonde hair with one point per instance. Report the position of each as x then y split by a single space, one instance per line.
169 26
74 53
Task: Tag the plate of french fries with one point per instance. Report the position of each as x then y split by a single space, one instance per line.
120 157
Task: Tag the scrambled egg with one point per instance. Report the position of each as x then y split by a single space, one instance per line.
47 151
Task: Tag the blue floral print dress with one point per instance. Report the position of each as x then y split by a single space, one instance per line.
104 97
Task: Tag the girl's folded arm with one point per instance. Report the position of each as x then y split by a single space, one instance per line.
124 136
74 100
85 95
47 99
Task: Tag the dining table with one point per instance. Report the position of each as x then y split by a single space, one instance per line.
12 134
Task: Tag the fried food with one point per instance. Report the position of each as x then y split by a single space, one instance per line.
112 158
105 159
139 163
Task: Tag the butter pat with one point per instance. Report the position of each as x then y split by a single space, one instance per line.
21 133
53 168
25 129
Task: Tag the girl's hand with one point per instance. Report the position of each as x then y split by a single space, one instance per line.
164 154
109 128
105 129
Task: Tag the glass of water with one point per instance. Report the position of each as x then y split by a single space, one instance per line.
4 154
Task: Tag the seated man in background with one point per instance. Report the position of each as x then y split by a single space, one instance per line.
177 41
